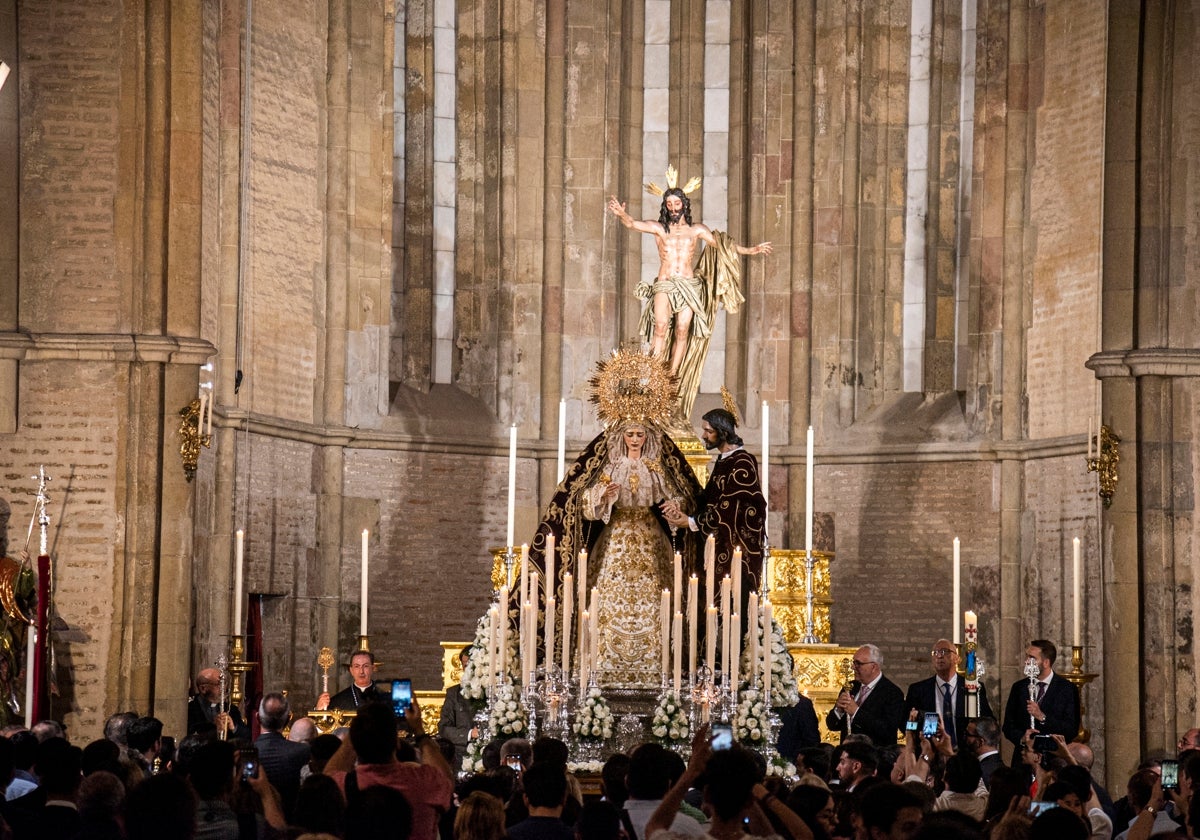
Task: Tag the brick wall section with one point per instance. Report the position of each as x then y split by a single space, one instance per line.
892 573
70 63
69 424
439 515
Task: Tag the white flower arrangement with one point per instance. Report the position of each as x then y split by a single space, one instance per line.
508 719
750 723
780 766
585 766
785 693
594 720
475 678
670 723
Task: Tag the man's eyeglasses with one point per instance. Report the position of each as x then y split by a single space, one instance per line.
941 652
854 663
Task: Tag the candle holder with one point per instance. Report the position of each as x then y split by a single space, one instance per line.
765 587
810 636
237 667
191 437
704 696
1079 678
1108 456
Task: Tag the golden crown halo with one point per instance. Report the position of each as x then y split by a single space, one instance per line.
632 386
672 181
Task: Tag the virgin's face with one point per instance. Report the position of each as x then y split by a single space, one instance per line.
635 439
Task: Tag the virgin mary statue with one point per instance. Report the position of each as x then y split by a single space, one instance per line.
608 504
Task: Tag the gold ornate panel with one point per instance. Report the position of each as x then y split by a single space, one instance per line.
821 671
789 593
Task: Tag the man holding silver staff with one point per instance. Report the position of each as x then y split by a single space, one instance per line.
1045 702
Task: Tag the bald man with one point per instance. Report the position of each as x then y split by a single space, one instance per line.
204 713
946 692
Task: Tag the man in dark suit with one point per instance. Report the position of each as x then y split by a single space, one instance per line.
1054 705
982 737
946 691
457 721
799 730
872 705
281 759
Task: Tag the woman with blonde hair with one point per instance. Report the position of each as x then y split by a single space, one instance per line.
480 817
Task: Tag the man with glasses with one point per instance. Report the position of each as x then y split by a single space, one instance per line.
204 709
946 692
871 705
982 737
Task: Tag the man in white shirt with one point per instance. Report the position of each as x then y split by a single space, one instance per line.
648 780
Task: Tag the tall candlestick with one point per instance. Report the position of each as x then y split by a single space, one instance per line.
362 619
678 591
237 584
582 598
957 577
550 560
808 492
737 578
551 604
1077 592
568 607
724 627
562 438
768 636
677 631
710 639
512 486
736 653
491 654
664 620
531 623
971 637
584 623
752 625
766 455
524 574
1089 442
693 610
503 617
594 633
710 569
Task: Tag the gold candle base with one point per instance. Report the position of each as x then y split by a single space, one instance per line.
1079 678
238 666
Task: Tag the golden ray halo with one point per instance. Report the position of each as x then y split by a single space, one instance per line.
633 386
672 181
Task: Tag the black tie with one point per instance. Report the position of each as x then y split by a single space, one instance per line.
948 713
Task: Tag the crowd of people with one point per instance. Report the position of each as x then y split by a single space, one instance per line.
386 778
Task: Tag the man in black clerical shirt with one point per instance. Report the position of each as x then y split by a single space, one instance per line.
204 709
362 686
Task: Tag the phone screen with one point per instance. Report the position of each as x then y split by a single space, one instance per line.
722 736
929 730
401 697
1036 808
249 762
1170 774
